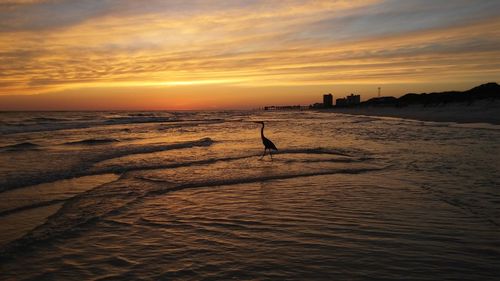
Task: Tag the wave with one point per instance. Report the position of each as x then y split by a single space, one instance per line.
363 119
47 119
142 114
20 128
83 169
93 141
139 181
318 150
31 206
20 147
117 169
478 126
37 196
87 167
473 209
138 119
188 123
88 208
41 124
346 157
243 180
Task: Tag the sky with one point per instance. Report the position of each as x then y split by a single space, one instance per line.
209 54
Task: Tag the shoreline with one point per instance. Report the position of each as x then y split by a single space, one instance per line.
479 112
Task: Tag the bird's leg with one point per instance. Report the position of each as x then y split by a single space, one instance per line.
271 153
264 153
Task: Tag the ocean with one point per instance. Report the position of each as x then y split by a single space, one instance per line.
188 196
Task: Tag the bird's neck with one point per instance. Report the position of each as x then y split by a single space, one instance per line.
262 131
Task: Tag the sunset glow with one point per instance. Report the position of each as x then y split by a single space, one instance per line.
238 54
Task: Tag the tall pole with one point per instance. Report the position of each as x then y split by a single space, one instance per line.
379 91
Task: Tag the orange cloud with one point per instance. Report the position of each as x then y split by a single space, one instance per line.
244 51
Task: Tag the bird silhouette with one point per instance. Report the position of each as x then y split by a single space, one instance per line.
266 142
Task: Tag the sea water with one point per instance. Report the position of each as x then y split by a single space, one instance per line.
188 196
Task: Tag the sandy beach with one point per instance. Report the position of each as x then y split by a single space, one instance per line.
478 112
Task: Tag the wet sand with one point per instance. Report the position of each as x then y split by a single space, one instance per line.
478 112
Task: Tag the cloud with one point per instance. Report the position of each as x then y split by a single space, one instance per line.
50 46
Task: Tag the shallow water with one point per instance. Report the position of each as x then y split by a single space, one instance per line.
161 195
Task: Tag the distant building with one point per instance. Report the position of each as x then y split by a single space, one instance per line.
348 101
341 102
328 101
353 99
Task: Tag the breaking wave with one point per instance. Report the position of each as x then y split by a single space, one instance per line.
47 119
20 147
96 204
40 124
138 119
145 180
93 141
87 160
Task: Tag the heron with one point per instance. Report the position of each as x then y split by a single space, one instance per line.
266 142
